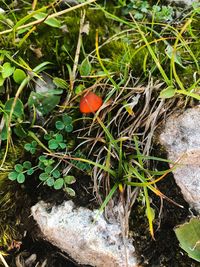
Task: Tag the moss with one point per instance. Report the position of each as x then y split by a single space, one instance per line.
118 56
10 202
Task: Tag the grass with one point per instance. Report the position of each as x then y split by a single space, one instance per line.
143 69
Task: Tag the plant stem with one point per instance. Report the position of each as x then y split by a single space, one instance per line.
50 16
3 260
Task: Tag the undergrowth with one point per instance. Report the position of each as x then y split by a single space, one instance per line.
138 57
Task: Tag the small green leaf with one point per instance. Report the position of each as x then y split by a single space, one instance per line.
138 16
19 131
42 158
79 89
41 166
66 119
30 171
58 184
62 145
27 146
53 144
48 169
60 83
31 147
53 22
188 235
85 68
43 176
59 125
4 133
168 92
56 174
49 136
18 109
34 143
19 75
20 178
32 150
27 165
7 70
59 137
1 80
18 168
70 192
48 162
69 128
13 175
69 179
50 181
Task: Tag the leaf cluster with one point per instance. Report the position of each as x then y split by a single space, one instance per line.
142 9
50 170
7 70
20 170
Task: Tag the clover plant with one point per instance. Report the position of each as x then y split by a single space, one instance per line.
65 124
20 170
31 147
141 9
52 176
57 142
83 166
50 169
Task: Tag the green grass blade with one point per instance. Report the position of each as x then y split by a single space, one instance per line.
107 199
149 212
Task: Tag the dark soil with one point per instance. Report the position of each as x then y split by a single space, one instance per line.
164 251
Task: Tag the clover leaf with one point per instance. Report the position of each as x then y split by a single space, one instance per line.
13 175
58 183
19 171
31 147
65 124
50 181
57 142
43 176
20 178
70 191
49 135
44 162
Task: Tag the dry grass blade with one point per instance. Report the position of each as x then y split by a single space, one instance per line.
3 260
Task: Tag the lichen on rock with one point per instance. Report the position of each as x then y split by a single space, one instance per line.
84 235
181 137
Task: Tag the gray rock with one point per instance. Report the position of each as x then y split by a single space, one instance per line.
183 2
86 237
181 137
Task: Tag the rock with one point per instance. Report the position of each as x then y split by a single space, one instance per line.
183 2
86 237
181 137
